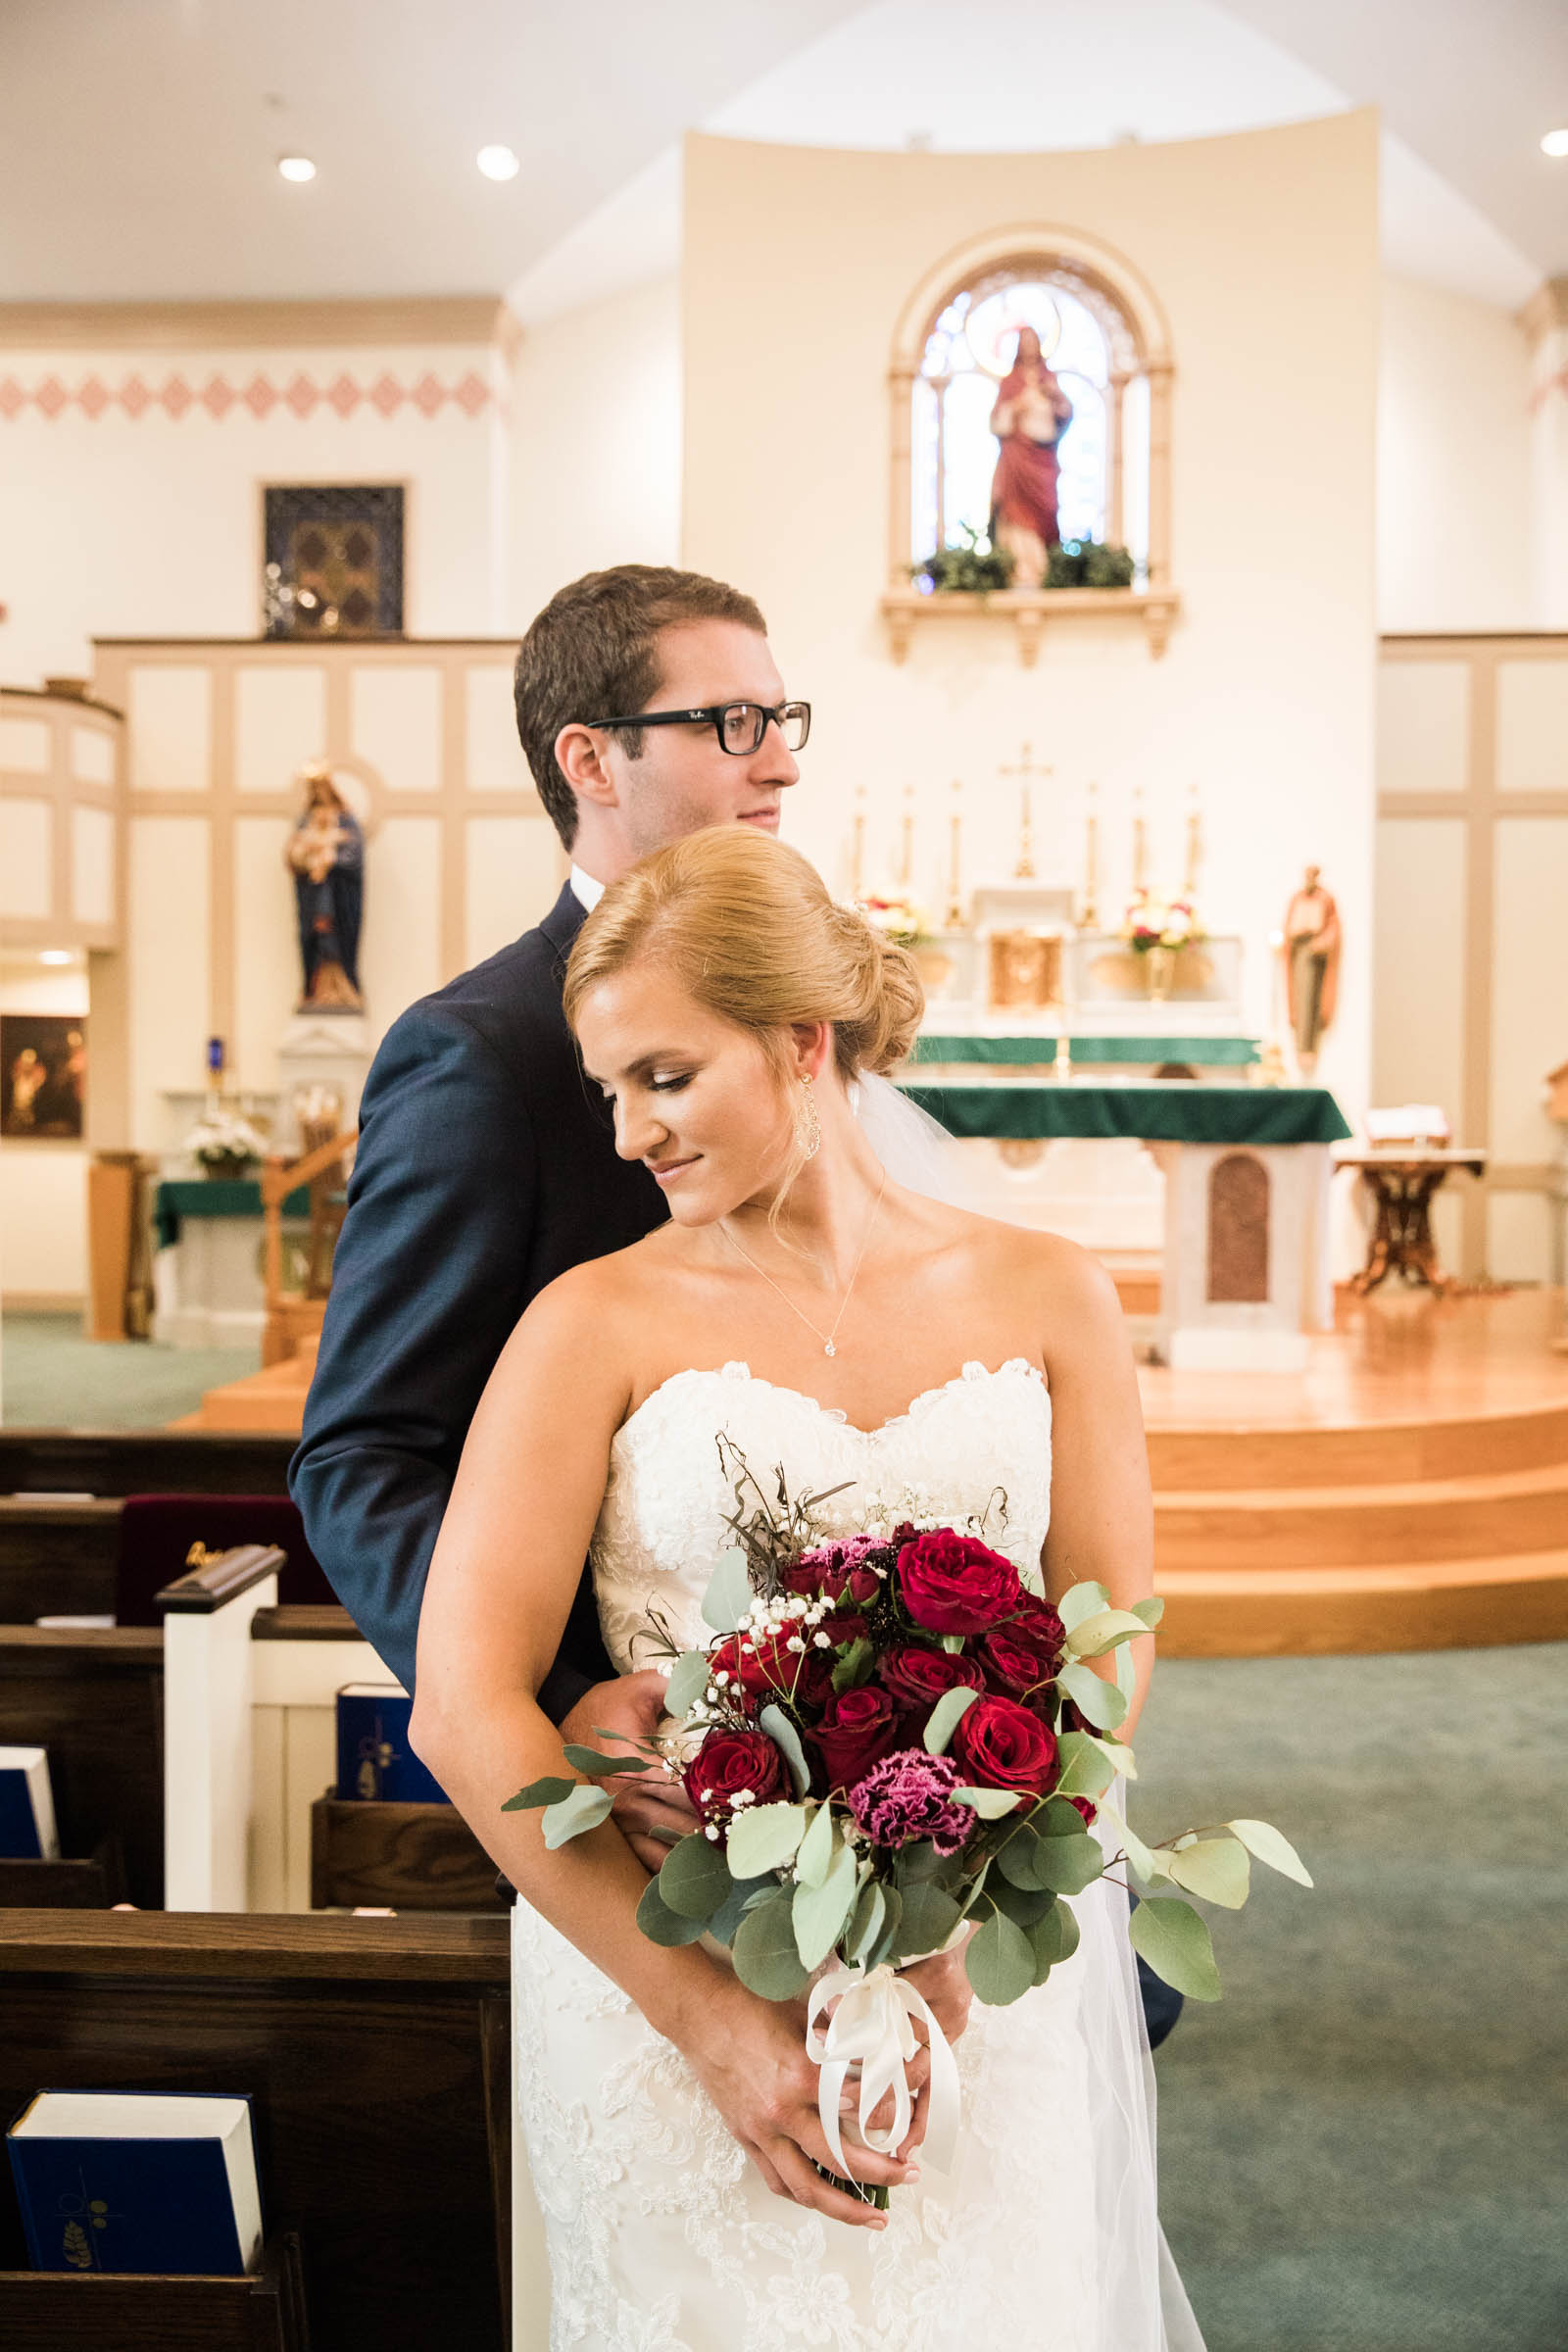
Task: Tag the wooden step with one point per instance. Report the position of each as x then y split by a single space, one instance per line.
1323 1612
271 1401
1243 1528
1310 1455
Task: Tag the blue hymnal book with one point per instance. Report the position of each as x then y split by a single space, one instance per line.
27 1806
373 1757
139 2181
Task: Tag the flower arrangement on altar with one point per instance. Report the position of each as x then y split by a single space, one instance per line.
1152 920
224 1144
893 1746
896 916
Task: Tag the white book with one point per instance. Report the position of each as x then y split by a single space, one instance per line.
164 2178
28 1805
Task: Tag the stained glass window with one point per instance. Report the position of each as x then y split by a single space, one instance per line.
971 352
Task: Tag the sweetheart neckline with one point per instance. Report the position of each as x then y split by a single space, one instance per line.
737 1368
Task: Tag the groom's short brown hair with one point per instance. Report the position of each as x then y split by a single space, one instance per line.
592 653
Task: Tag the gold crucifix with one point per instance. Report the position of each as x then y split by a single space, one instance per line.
1028 766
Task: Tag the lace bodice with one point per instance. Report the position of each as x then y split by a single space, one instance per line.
982 1439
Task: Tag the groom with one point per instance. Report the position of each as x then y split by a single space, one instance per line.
486 1166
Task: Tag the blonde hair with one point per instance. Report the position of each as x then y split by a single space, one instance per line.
747 925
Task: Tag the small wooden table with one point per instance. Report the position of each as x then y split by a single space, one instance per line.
1402 1183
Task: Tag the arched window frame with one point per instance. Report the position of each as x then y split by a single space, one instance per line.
1139 337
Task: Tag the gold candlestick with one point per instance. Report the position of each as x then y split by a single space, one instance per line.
906 851
857 849
1091 913
1027 767
955 915
1195 846
1140 841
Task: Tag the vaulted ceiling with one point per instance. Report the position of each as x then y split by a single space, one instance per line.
140 139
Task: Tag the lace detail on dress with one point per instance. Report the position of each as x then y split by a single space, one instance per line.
662 2236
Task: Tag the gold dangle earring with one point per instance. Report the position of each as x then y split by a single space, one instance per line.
808 1126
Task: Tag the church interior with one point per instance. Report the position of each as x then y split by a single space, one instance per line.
1145 429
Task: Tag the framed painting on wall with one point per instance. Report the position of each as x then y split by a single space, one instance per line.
332 559
43 1076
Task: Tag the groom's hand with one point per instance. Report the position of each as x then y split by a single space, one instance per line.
943 1982
650 1809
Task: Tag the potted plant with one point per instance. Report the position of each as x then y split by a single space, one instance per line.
225 1145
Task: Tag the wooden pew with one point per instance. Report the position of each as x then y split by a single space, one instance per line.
57 1556
95 1700
142 1461
376 2051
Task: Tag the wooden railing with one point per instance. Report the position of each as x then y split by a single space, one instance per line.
296 1315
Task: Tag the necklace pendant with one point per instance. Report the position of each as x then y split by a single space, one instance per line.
828 1347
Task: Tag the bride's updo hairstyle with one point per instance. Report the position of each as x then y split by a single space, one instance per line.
748 927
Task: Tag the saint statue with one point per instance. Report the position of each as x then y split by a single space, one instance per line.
1312 966
326 855
1032 411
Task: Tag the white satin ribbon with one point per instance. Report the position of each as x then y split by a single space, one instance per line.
872 2027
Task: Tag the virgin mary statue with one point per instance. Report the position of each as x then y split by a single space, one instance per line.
326 855
1031 414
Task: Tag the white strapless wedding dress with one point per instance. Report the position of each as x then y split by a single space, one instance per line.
662 2236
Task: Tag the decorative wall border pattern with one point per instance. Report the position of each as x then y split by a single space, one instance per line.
219 397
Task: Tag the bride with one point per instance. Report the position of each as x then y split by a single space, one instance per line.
833 1322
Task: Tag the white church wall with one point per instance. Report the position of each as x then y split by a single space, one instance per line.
1262 250
1454 544
43 1185
130 479
594 443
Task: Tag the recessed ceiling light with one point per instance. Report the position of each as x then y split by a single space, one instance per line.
498 162
54 955
1555 142
296 166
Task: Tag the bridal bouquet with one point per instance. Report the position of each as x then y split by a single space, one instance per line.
888 1740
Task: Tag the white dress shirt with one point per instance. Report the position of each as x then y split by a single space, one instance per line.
585 890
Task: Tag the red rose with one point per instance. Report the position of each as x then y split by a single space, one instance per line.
728 1762
841 1630
841 1581
954 1584
855 1732
1012 1663
917 1677
1001 1745
1037 1622
1086 1806
765 1669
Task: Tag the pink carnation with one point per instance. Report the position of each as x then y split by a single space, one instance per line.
909 1795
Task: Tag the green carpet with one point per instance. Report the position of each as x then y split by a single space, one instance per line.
52 1378
1364 2145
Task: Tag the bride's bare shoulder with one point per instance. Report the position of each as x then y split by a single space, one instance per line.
1053 1272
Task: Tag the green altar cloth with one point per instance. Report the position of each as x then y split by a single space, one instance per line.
1176 1111
215 1196
1203 1053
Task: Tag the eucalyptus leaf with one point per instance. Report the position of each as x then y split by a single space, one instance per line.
1218 1870
945 1718
990 1803
588 1759
1055 1938
1263 1839
1000 1961
729 1592
820 1912
1067 1865
1086 1769
764 1838
1151 1610
582 1809
548 1792
929 1919
1024 1905
689 1678
1055 1818
742 1893
1118 1756
866 1920
1101 1632
1149 1863
779 1729
853 1666
1102 1704
1080 1603
766 1960
1126 1671
1176 1944
887 1939
659 1924
953 1644
1019 1860
694 1878
817 1847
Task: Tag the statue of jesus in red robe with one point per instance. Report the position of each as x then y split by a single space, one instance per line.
1032 411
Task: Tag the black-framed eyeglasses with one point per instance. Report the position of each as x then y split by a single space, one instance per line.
739 726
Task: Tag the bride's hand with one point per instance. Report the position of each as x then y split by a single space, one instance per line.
943 1983
651 1810
750 2057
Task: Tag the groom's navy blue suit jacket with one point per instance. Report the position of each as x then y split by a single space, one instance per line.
486 1166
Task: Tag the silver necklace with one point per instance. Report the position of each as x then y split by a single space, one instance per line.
827 1338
